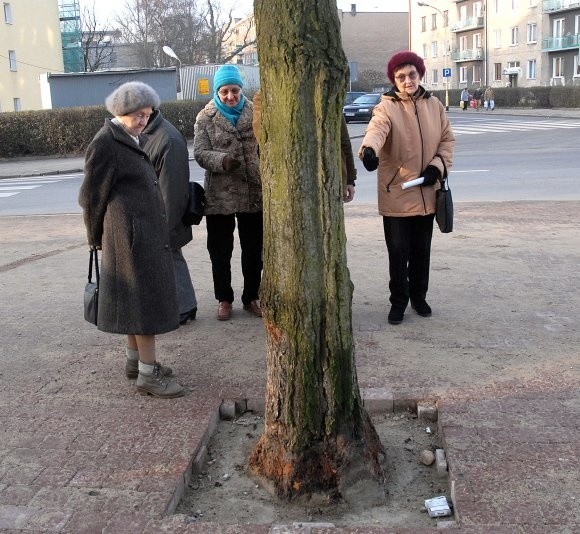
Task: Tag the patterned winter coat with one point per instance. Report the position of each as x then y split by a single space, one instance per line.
408 134
124 214
215 137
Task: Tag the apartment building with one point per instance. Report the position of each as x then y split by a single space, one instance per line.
30 44
500 43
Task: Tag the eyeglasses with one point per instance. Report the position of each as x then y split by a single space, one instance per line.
139 116
225 92
412 76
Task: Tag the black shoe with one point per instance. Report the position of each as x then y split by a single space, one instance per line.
396 315
184 317
422 308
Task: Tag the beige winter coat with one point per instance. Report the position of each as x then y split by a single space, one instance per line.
408 134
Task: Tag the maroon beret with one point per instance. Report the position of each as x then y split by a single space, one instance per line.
404 58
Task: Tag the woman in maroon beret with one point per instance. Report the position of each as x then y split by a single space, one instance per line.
409 136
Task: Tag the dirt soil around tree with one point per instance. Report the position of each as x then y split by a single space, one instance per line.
224 493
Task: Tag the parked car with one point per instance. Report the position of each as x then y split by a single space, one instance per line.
362 108
351 96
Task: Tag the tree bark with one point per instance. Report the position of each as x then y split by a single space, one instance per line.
317 437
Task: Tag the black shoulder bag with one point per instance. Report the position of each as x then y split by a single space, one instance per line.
196 205
444 203
92 290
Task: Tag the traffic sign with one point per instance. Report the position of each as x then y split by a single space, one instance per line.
446 73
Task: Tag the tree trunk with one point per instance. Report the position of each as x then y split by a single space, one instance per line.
317 438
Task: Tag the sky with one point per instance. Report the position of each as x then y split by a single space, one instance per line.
110 8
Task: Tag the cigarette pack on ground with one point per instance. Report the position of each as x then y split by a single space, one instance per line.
438 506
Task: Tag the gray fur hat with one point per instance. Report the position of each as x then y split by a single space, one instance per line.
130 97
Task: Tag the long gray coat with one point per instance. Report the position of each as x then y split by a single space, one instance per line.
167 150
216 137
124 213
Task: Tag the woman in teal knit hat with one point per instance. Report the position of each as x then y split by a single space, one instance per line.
225 146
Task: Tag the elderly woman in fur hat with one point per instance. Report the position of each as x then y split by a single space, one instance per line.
408 136
125 217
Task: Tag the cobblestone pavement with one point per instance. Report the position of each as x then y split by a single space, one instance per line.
81 452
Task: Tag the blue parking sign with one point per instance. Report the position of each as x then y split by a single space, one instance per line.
446 73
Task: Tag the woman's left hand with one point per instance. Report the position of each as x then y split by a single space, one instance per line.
348 193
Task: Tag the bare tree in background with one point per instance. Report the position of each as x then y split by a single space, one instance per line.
97 41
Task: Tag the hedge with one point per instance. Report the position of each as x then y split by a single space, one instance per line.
68 131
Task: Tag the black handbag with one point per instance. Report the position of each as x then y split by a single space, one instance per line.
92 290
444 204
196 205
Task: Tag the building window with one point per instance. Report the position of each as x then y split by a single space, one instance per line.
434 77
462 74
423 24
424 50
531 69
558 67
447 48
17 105
7 13
532 33
477 74
496 6
477 40
434 49
497 72
558 30
577 24
497 38
477 9
576 66
463 13
445 19
434 21
514 4
514 36
12 60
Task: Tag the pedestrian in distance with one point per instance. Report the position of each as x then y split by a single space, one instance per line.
124 215
477 96
167 150
226 147
464 99
489 99
409 136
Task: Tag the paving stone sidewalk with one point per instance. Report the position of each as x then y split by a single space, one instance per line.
81 452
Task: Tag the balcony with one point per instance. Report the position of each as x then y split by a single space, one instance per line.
551 44
467 24
553 6
468 54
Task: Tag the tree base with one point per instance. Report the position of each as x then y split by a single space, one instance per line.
334 470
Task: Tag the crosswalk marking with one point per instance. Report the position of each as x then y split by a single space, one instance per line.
479 126
14 186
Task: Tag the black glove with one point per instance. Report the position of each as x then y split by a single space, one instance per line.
370 160
431 175
230 164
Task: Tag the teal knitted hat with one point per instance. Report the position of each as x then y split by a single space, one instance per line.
227 75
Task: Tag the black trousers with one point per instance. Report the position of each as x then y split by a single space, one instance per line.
409 245
220 244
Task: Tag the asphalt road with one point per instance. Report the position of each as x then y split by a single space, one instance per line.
497 158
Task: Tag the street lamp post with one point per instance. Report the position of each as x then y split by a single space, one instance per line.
424 4
169 51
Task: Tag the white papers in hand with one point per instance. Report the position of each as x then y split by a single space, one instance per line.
411 183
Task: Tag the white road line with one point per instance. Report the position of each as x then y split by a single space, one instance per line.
18 187
5 195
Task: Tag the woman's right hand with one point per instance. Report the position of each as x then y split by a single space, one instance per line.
230 164
369 159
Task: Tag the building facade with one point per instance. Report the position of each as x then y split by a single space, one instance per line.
30 44
497 42
368 39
